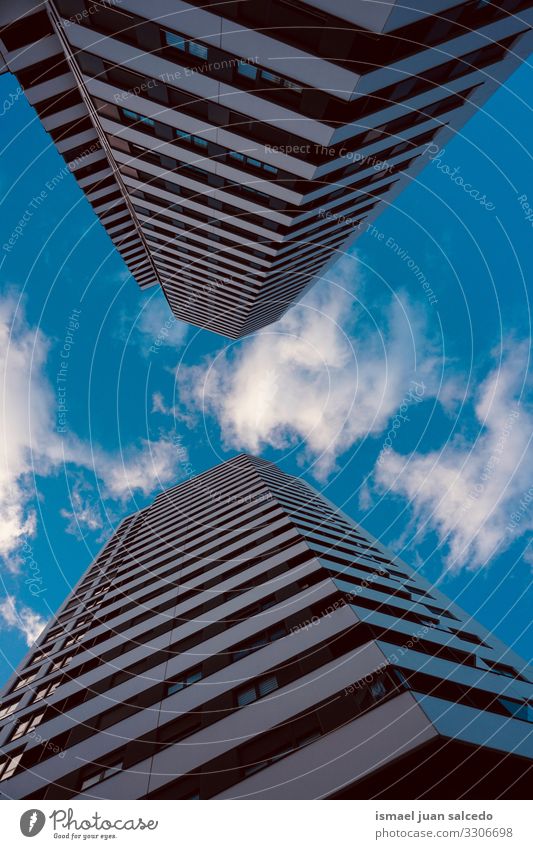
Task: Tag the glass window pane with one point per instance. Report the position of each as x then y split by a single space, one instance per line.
194 676
247 70
267 685
245 697
235 155
270 168
94 779
11 766
175 40
199 142
378 689
111 770
520 710
175 688
198 49
8 709
273 78
20 730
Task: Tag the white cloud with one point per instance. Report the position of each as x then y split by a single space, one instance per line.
26 422
327 375
86 513
469 491
22 618
30 446
146 467
154 327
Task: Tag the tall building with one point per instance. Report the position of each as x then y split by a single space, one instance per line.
232 149
243 638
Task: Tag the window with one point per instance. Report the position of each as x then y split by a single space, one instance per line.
255 191
296 88
470 638
501 668
51 637
95 774
520 710
272 78
27 725
59 664
252 692
198 49
187 680
247 70
378 689
26 680
74 639
270 636
37 658
47 690
195 140
7 710
134 116
402 679
280 751
9 764
195 48
439 612
255 163
176 41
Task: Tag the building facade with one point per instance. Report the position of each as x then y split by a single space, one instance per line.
242 638
232 150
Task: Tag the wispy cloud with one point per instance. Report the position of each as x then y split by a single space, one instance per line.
30 445
86 513
21 619
154 327
324 377
469 490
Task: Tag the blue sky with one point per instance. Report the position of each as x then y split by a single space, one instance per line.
412 413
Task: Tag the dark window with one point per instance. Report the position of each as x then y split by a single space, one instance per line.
184 45
253 692
188 679
98 772
520 710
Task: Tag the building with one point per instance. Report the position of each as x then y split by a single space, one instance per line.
243 638
231 150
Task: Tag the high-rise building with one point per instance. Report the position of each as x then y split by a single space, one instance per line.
243 638
232 149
